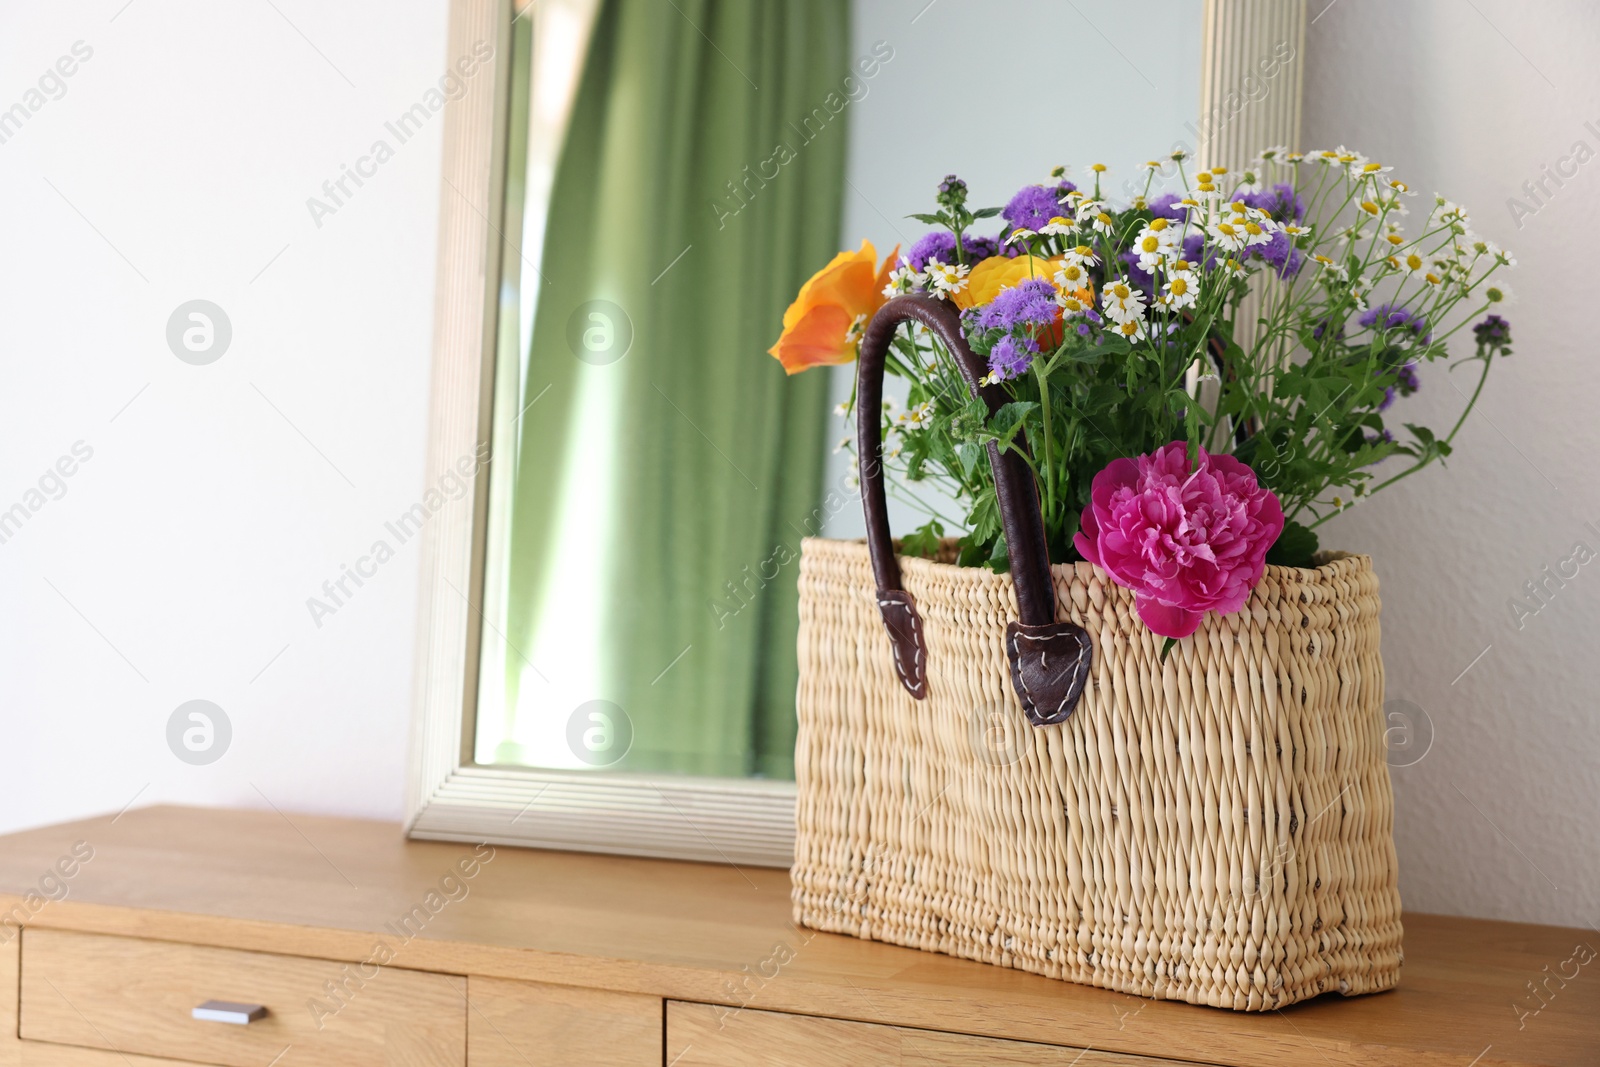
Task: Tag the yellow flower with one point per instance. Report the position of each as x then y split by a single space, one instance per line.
1001 272
824 324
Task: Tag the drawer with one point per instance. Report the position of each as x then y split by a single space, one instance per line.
134 997
704 1035
569 1027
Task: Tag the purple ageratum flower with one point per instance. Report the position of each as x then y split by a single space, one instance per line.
978 247
1405 383
1193 245
1166 206
1034 206
940 245
1396 317
1321 328
1280 201
1493 331
1011 356
1281 253
1032 303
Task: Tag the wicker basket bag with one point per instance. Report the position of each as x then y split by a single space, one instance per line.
1001 767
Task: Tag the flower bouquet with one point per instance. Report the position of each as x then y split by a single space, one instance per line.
1143 414
1263 322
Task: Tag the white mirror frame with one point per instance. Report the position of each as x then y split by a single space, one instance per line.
717 820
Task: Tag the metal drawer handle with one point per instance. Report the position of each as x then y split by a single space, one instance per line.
226 1011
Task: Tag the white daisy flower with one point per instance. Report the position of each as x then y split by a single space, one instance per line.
1059 226
919 415
1081 256
858 326
844 443
1294 230
1122 301
946 278
1156 243
1181 289
1229 233
1071 304
1072 276
1330 266
903 279
1249 182
1021 233
1271 155
1497 293
1132 329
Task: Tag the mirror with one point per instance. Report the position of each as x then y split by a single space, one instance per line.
673 173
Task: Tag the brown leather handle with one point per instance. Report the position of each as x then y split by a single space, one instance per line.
1049 660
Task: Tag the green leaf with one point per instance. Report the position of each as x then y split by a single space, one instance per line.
1294 547
968 454
924 542
931 220
1166 646
986 213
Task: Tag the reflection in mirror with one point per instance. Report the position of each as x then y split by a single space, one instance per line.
674 173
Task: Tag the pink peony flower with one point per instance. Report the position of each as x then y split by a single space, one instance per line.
1185 542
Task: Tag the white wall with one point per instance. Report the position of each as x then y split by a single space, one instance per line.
177 565
1502 817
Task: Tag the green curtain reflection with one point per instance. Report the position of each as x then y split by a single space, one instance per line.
700 184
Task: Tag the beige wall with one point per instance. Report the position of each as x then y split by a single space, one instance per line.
1502 816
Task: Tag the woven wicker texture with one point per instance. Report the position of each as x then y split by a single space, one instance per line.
1216 828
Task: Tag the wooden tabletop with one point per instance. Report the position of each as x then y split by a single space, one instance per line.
312 886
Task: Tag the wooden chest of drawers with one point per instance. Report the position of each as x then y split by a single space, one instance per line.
365 950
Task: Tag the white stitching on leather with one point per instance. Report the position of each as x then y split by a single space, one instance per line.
1027 694
916 639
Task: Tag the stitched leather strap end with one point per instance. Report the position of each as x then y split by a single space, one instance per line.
904 624
1049 666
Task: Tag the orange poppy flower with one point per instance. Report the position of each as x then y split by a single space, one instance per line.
824 324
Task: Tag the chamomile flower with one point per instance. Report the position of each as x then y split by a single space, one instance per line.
1060 226
947 278
1121 301
1071 276
1181 289
842 409
1371 208
1273 154
1075 302
1249 182
858 326
1504 257
1132 329
1099 219
1294 230
1330 266
1399 188
1497 293
1229 233
1156 243
1150 166
1410 262
844 443
902 279
1081 256
1374 171
1294 157
1021 233
1178 155
918 415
